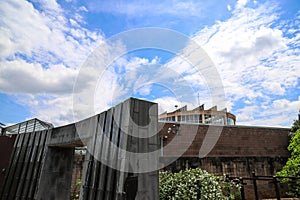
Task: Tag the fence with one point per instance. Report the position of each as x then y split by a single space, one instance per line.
275 180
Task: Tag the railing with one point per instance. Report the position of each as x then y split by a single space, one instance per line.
254 178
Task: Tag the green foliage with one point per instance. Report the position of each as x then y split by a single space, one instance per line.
75 190
292 166
295 126
196 184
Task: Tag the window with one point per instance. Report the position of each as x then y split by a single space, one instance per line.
208 119
230 121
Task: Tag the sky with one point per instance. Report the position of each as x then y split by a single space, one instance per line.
48 49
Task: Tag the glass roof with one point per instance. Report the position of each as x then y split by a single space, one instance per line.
31 125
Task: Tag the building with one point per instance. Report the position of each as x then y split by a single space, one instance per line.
199 116
44 158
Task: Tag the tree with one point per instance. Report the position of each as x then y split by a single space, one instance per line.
292 166
295 126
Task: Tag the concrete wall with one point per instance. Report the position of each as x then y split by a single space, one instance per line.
42 162
109 162
22 177
6 150
56 176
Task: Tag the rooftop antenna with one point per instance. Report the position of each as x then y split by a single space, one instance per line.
198 100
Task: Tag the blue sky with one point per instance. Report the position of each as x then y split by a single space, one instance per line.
254 45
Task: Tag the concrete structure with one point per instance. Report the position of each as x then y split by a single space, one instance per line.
41 163
199 116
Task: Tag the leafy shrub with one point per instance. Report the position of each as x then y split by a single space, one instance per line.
196 184
75 190
292 166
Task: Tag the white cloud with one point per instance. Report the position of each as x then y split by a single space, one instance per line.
145 90
47 37
273 88
83 8
229 7
255 60
57 110
280 112
168 104
241 3
253 57
41 52
18 76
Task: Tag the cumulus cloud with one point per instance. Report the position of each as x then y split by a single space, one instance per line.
47 38
41 51
256 55
18 76
256 60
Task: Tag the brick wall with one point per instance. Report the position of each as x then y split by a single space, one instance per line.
237 152
234 141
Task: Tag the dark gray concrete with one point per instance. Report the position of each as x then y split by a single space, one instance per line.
65 136
119 144
132 126
56 176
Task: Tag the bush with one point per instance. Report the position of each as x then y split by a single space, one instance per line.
196 184
292 166
75 190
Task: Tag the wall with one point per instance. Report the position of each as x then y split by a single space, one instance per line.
234 141
42 165
56 175
6 149
22 176
238 152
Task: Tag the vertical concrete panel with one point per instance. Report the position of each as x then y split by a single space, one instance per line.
147 142
23 175
38 164
56 176
84 190
108 154
122 158
98 153
128 127
32 165
10 180
26 162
